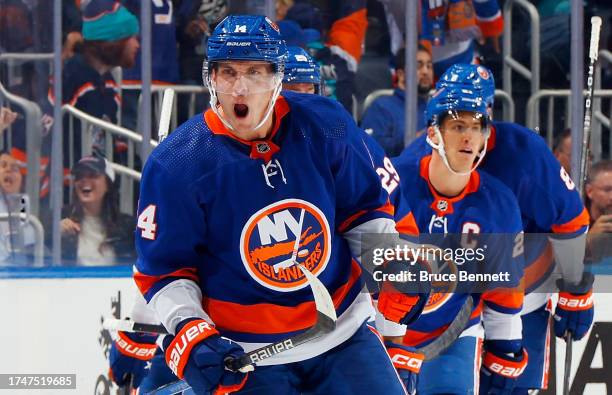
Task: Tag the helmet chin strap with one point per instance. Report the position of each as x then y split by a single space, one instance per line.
214 103
440 148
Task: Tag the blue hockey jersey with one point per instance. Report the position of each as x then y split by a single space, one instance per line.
547 197
228 214
484 219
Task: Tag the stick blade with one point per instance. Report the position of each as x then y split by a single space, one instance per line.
323 300
166 112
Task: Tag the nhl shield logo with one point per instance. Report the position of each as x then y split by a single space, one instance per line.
442 205
262 147
279 234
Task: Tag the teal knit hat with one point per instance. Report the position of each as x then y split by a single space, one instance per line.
107 20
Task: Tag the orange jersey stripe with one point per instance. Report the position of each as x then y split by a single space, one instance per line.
575 224
349 32
144 282
539 267
407 226
414 338
511 298
268 318
387 208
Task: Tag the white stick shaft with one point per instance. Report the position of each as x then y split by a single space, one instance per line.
166 112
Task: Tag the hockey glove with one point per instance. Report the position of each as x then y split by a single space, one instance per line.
403 302
500 369
197 353
574 312
407 361
128 358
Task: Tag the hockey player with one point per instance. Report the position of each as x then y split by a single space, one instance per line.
224 202
302 73
456 206
554 220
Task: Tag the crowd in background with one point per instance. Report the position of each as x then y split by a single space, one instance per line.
358 45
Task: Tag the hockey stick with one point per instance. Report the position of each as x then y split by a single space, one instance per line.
588 106
325 323
586 140
166 112
451 333
568 363
430 351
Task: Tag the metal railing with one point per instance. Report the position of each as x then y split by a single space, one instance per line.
157 92
87 125
33 131
510 64
533 112
13 59
39 234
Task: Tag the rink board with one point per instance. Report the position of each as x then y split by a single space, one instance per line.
53 325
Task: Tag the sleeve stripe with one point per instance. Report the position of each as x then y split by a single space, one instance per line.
539 267
145 282
574 225
351 221
407 226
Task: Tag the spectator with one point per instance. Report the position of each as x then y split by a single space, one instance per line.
282 6
7 117
16 235
294 35
449 28
164 56
562 149
384 119
94 232
343 26
598 190
110 39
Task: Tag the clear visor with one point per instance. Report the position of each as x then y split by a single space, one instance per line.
464 121
243 78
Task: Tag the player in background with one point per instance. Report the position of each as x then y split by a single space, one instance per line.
302 73
456 206
406 359
554 221
231 198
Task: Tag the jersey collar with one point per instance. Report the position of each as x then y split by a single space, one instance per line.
260 149
491 141
443 205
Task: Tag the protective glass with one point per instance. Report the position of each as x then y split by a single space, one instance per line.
242 78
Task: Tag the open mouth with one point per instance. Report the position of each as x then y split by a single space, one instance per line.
86 190
466 151
241 110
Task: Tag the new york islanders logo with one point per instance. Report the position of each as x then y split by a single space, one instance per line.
280 234
483 72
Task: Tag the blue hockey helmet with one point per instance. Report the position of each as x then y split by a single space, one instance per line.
451 99
300 67
247 37
470 76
